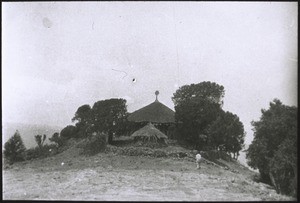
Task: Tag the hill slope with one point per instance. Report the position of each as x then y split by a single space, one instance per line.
107 176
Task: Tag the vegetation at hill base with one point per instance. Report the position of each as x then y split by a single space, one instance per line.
94 144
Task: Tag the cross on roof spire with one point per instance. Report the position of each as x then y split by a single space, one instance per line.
156 93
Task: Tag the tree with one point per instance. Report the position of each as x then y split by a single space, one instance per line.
39 140
227 131
208 91
108 116
273 150
83 118
14 148
68 132
196 113
196 107
83 115
57 139
283 167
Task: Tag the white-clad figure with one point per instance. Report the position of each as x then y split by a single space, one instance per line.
198 160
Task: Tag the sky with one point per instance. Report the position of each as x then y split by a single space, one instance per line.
57 56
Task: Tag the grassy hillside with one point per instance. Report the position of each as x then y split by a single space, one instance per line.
111 176
27 131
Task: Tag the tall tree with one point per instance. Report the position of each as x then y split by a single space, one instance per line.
226 133
109 116
83 114
83 118
273 150
197 106
209 91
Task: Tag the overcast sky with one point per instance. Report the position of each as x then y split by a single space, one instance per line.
58 56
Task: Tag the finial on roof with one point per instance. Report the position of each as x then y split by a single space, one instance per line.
156 93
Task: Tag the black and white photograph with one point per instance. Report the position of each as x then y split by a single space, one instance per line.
149 100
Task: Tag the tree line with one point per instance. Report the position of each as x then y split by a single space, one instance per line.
201 123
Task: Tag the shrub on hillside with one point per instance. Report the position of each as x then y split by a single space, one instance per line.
41 152
94 144
39 139
14 149
214 155
69 132
58 140
32 153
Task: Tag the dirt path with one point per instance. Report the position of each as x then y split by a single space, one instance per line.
106 177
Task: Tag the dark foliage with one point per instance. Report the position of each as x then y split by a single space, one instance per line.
196 106
109 116
41 152
226 133
273 150
94 144
201 122
193 115
14 149
68 132
209 91
83 118
57 139
83 115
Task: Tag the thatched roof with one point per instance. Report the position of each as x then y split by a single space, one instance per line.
149 131
155 112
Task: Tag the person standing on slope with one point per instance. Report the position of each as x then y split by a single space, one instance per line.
198 160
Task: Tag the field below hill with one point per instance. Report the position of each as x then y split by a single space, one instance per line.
112 177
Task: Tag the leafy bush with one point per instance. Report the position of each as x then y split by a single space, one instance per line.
32 153
68 132
273 150
94 144
41 152
197 106
14 149
283 168
58 140
214 155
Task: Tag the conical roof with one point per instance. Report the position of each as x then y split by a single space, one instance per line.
148 131
155 112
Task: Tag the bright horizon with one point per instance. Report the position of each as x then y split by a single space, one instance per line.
57 56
